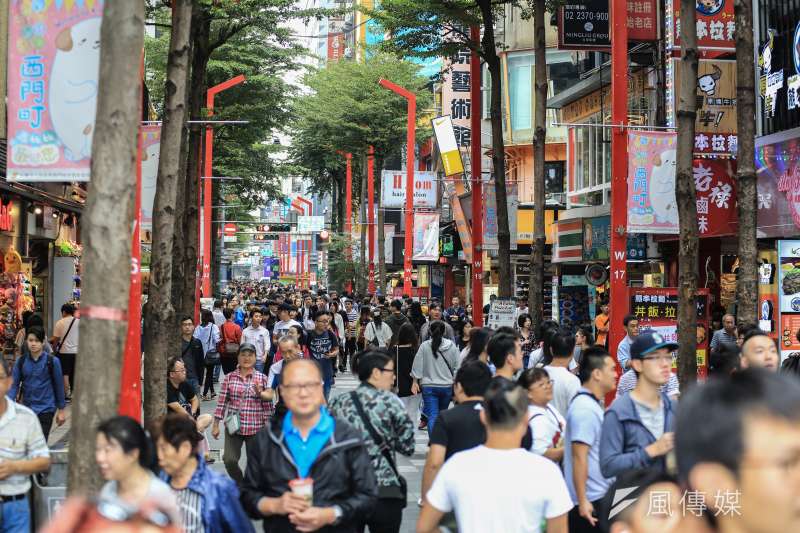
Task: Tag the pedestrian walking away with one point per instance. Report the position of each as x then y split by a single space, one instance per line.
65 343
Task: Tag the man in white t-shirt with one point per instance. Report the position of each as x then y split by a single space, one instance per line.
525 489
565 383
283 324
258 336
65 343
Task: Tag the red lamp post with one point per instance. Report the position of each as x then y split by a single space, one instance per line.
477 183
371 216
411 137
348 199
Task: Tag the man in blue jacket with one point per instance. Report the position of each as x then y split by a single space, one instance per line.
637 428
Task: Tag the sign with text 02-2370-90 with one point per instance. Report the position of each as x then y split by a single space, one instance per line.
393 193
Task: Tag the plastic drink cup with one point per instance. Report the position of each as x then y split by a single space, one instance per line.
303 487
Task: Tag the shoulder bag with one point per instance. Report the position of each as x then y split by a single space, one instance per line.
57 351
229 348
212 355
392 491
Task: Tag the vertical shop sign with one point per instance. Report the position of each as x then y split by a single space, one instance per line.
426 237
768 292
584 25
53 69
716 27
448 146
789 296
456 102
151 148
652 207
490 222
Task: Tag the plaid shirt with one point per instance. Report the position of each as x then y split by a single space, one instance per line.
237 393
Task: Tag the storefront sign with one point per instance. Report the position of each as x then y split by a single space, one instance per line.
584 24
448 147
652 207
53 69
768 292
771 79
525 228
637 246
715 187
452 188
716 25
657 309
393 193
501 313
310 223
6 220
490 224
446 246
151 150
596 238
426 237
569 235
789 295
778 170
456 101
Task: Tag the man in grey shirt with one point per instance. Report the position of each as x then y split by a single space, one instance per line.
435 313
726 334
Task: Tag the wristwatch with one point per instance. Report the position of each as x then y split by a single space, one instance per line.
338 513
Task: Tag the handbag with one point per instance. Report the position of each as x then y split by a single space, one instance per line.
57 351
391 491
212 355
232 422
230 349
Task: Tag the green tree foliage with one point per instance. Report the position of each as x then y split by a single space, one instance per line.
341 266
346 109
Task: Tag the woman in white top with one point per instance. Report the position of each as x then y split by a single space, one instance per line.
547 424
377 333
125 454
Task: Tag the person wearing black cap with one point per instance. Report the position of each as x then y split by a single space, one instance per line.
637 428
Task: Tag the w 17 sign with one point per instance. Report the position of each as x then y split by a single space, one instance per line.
53 70
393 193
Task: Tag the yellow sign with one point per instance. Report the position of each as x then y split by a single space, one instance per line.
446 140
525 225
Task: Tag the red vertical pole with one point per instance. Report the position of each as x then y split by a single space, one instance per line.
371 216
207 170
619 170
477 183
349 194
411 139
130 391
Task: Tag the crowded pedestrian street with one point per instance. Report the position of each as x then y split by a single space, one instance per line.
399 266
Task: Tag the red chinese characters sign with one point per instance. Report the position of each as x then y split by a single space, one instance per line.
716 197
642 20
715 25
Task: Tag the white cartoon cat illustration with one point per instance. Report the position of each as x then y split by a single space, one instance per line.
73 87
662 188
149 172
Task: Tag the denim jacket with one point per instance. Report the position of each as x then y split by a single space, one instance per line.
624 437
222 512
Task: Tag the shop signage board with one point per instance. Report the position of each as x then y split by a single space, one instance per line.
448 146
596 238
637 246
53 69
456 101
768 308
393 192
715 127
715 25
310 223
426 237
778 171
584 24
501 313
151 149
490 224
657 309
452 188
789 296
652 207
568 241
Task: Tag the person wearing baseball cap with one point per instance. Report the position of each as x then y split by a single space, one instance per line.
637 428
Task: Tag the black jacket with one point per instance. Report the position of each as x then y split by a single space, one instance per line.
342 476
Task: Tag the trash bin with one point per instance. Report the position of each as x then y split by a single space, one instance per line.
50 492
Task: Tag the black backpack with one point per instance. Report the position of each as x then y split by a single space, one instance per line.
20 366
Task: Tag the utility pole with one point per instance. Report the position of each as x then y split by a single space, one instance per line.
477 184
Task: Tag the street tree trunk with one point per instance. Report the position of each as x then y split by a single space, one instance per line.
159 316
685 196
746 186
498 150
381 233
201 23
536 285
107 222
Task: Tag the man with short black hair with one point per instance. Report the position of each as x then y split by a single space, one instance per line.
192 353
219 317
505 353
637 428
258 336
181 397
455 313
396 318
565 383
585 481
284 322
65 344
743 456
323 346
759 351
631 324
435 313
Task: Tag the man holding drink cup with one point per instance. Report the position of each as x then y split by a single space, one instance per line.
308 470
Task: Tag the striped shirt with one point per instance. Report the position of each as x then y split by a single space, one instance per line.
238 394
21 438
190 506
352 317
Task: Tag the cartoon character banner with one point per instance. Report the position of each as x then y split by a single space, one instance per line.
426 237
652 207
151 149
53 68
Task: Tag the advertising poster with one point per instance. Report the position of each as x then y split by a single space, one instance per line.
501 313
393 192
426 237
789 296
778 170
448 147
658 309
652 207
490 225
151 148
53 69
715 24
573 305
596 238
452 188
768 292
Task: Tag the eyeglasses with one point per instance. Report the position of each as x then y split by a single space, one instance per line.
297 387
659 358
392 370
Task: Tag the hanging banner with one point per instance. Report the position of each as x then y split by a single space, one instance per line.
151 148
715 25
456 83
53 69
393 192
768 292
448 147
490 225
426 237
652 207
452 188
